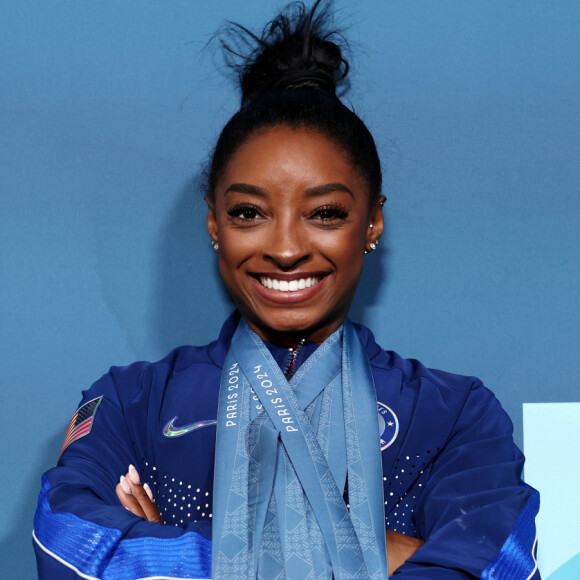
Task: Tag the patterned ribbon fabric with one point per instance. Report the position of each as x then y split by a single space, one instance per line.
286 451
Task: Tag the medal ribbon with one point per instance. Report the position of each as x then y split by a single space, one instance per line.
283 452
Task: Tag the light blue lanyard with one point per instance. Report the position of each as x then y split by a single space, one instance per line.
282 457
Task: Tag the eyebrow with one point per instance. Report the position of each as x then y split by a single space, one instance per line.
246 188
327 188
310 192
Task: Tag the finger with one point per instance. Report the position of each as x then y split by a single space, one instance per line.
149 492
142 495
150 508
146 504
133 475
400 548
128 500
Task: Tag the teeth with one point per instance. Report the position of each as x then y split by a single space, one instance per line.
288 286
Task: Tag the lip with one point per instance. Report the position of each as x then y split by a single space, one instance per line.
288 276
293 297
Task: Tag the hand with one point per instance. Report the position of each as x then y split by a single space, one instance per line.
399 549
137 498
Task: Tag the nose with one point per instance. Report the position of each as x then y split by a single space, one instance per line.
286 246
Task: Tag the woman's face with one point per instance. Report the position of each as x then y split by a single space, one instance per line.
291 216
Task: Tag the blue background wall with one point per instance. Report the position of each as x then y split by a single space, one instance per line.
108 110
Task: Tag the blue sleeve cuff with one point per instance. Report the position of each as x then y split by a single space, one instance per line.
517 557
95 551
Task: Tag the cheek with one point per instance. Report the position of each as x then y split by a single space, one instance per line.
352 252
235 246
347 246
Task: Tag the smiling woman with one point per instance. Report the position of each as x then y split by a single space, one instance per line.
292 219
293 446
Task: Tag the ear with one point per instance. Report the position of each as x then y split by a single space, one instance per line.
376 219
211 219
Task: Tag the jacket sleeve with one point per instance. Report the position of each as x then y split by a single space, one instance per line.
80 528
475 514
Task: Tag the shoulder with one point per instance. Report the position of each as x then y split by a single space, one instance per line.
130 380
412 372
178 360
189 364
450 396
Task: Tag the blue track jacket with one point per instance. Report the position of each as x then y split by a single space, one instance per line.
451 472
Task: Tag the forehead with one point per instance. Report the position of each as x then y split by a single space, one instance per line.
291 156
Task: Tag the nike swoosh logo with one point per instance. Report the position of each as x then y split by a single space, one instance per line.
170 430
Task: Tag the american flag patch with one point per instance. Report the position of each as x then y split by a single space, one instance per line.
81 423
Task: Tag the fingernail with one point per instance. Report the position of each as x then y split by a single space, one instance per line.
125 485
134 475
148 490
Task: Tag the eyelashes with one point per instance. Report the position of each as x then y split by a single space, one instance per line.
243 212
331 214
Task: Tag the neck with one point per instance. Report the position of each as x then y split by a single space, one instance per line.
293 336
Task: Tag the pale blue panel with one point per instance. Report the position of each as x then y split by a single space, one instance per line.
569 571
551 444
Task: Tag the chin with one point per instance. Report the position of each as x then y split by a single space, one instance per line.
296 325
283 323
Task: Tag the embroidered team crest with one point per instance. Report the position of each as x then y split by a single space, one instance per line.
81 423
388 425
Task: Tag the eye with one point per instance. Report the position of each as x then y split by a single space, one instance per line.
330 213
243 212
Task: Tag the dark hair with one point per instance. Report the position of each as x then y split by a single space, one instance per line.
289 76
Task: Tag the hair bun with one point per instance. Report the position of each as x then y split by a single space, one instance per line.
296 50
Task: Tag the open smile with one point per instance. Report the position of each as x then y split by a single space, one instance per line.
289 288
289 285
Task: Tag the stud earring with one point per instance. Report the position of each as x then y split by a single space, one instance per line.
371 226
372 247
215 246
